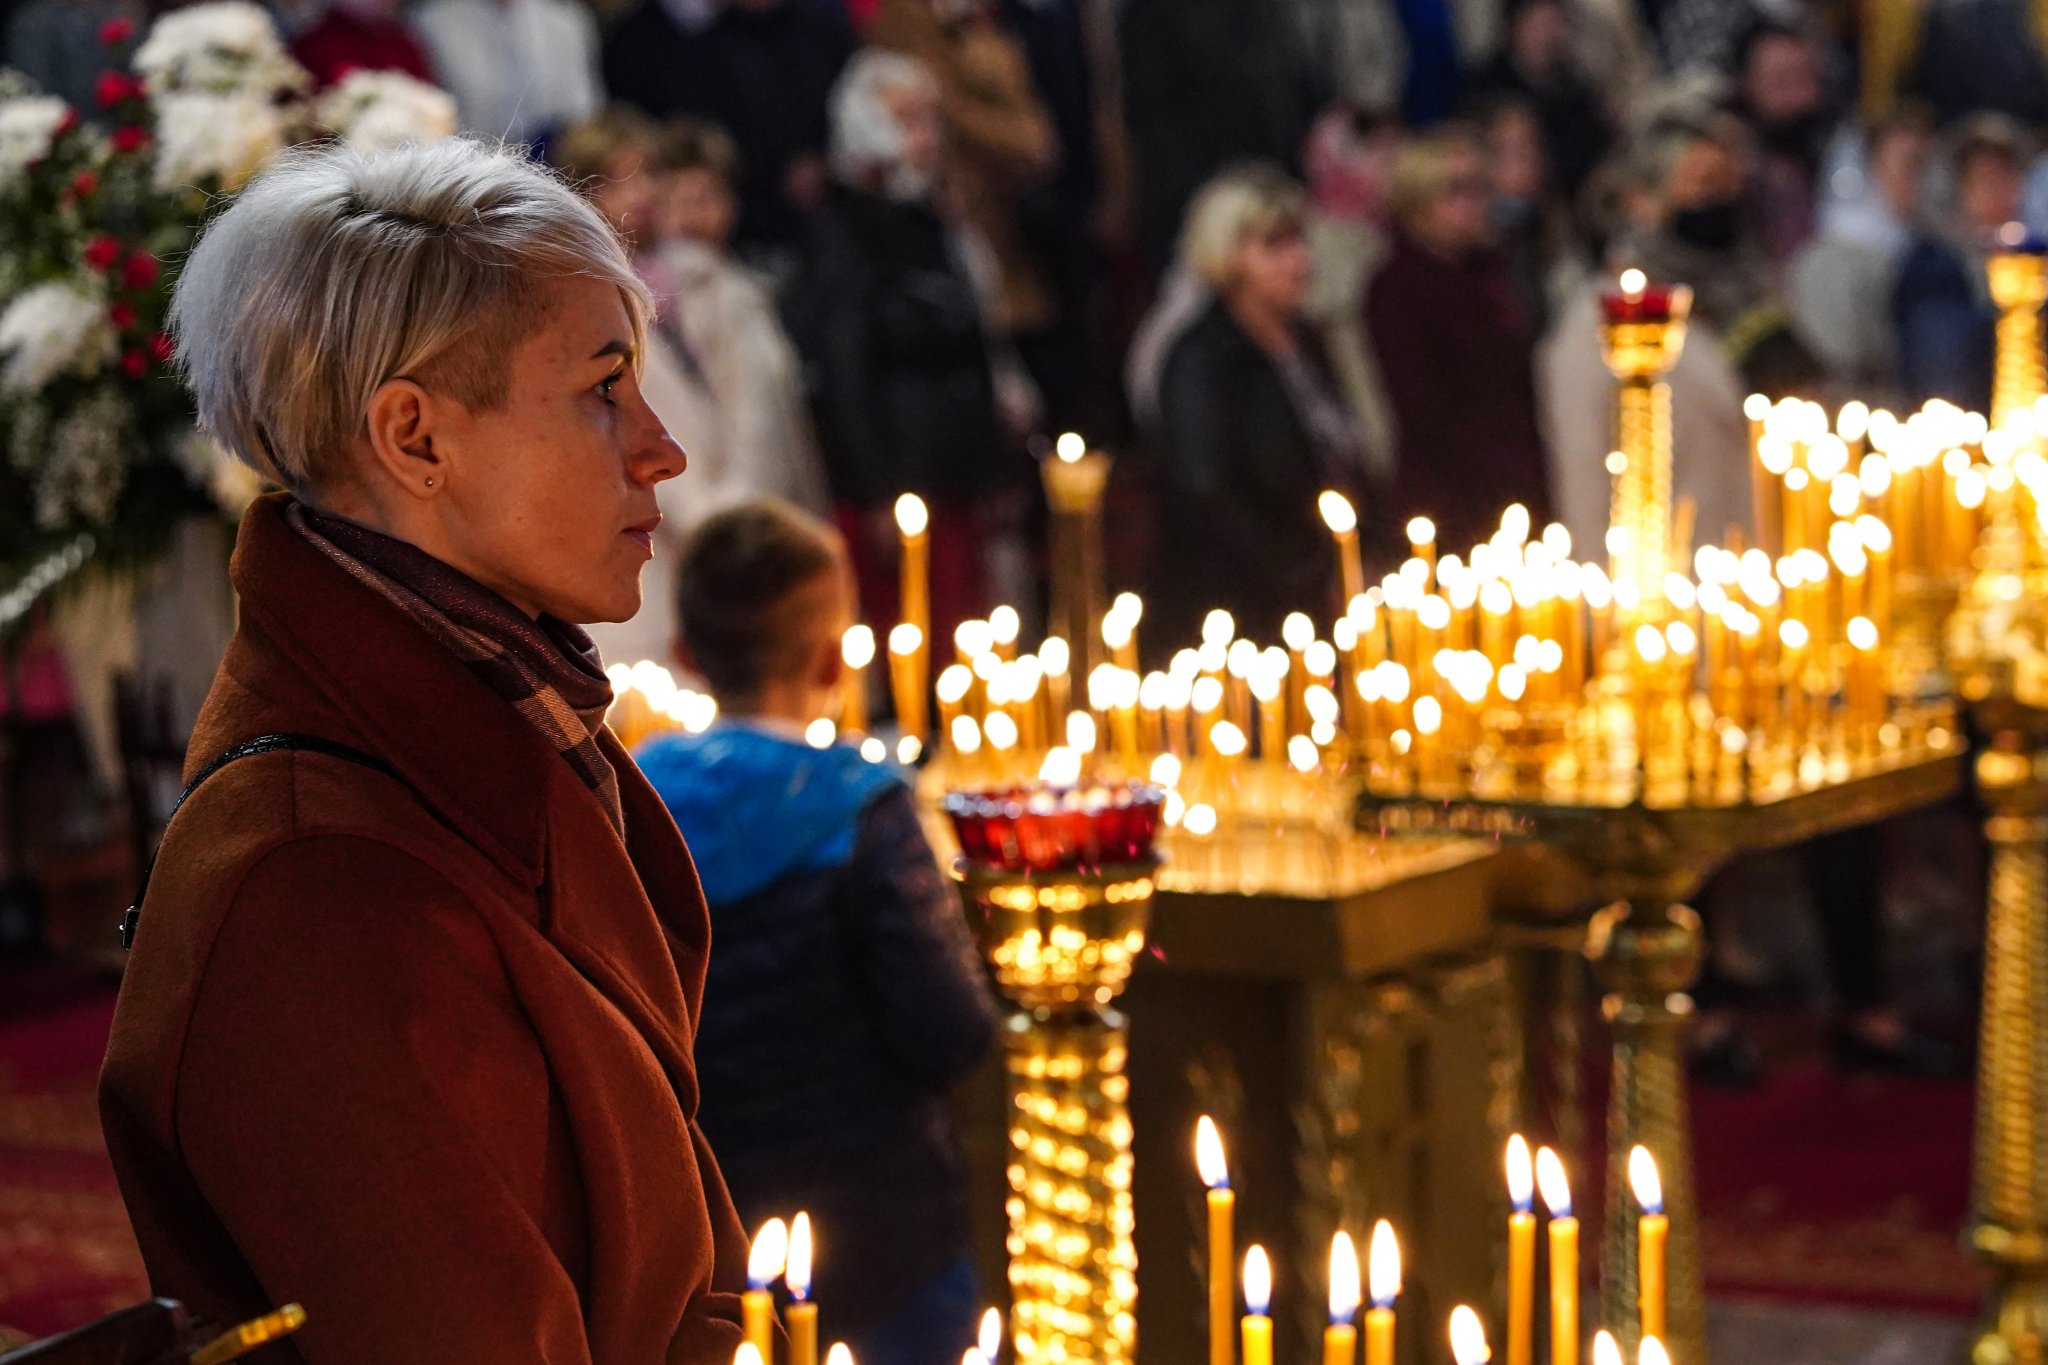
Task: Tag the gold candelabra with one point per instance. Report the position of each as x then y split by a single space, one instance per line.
1075 479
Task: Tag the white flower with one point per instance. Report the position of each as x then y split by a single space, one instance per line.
373 110
228 47
224 137
88 462
51 328
28 128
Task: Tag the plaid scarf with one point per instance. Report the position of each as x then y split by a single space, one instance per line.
547 669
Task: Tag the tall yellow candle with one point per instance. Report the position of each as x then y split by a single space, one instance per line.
1384 1279
1215 1172
766 1260
1422 540
914 580
906 678
1564 1259
803 1314
1257 1328
1653 1232
1342 519
1340 1338
1521 1254
1468 1337
857 650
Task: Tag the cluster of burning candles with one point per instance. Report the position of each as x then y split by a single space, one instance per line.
1469 1345
782 1251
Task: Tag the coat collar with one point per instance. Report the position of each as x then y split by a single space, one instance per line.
473 759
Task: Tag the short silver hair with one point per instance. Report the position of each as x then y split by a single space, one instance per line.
336 271
867 141
1238 204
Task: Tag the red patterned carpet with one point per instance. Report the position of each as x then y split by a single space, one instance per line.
66 1255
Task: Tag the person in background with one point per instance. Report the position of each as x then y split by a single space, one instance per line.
893 323
846 995
1841 287
1680 219
762 70
1780 94
1531 223
720 320
1350 159
1250 429
520 70
1454 344
361 35
609 159
1000 143
1539 66
1942 305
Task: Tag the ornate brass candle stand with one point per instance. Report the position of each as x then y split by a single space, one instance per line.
1646 950
1075 479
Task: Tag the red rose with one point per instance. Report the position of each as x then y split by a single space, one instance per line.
102 252
115 32
134 364
130 138
139 272
112 88
85 184
122 316
162 347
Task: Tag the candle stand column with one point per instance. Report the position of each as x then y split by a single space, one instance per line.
1062 944
1075 479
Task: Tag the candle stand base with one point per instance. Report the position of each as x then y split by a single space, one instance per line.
1646 947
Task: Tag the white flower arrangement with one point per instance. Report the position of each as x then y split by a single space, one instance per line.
372 110
87 464
48 329
226 137
28 129
226 47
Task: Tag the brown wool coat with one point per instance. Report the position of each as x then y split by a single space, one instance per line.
416 1054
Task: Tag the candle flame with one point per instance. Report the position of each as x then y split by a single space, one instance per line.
1302 755
1070 447
1634 282
1653 1353
1004 623
1209 1162
747 1354
1642 1177
1219 627
1521 1174
1000 731
1062 767
1344 1293
1055 657
991 1339
1081 732
1862 632
1429 715
857 646
1227 739
912 516
1117 630
797 1274
1468 1337
874 749
966 735
821 733
1258 1282
1130 606
839 1354
1338 513
973 637
1605 1350
769 1254
905 640
1297 632
1550 1178
1421 531
909 749
1384 1272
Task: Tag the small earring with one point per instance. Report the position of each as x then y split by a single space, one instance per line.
430 483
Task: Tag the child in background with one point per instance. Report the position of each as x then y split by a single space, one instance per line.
844 994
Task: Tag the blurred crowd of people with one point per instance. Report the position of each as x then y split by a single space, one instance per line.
1257 247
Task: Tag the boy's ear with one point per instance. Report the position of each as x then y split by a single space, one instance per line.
831 665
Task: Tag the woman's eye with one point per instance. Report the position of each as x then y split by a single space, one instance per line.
609 383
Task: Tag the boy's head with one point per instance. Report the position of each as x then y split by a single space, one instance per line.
762 599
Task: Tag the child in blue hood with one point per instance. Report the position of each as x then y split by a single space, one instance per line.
844 994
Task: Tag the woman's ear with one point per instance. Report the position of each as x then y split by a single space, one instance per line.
400 425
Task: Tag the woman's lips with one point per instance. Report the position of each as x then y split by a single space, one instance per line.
644 539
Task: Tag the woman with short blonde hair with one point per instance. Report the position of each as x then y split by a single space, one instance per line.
1240 205
406 1028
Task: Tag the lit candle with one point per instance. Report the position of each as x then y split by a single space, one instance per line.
1342 519
1652 1352
1422 540
1257 1328
766 1260
839 1354
803 1314
1653 1232
1521 1254
1564 1259
748 1354
1340 1339
1384 1278
1468 1338
857 648
913 523
1215 1172
906 677
991 1336
1606 1350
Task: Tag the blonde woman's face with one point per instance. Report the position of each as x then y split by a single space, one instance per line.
1273 269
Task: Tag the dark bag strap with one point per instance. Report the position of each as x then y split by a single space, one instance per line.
250 748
